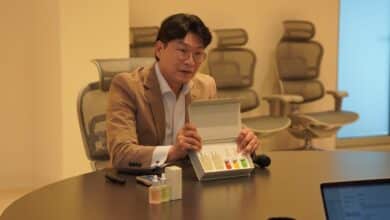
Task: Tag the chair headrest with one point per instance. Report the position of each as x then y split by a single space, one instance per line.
108 68
231 37
296 30
143 36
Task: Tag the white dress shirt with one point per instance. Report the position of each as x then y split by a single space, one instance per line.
174 108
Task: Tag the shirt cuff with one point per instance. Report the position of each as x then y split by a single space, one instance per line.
160 155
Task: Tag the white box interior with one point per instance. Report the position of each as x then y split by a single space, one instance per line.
218 123
216 120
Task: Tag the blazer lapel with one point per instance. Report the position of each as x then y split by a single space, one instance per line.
153 96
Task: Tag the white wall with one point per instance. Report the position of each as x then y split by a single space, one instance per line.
15 94
263 21
47 47
89 29
47 131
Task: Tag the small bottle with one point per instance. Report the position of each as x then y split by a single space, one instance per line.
228 165
227 162
236 165
243 161
155 191
165 189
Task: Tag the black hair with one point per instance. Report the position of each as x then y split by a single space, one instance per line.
178 25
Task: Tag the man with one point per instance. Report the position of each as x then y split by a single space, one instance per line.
147 117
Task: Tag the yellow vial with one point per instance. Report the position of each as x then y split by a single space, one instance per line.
235 164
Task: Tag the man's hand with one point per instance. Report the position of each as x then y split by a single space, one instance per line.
187 139
247 141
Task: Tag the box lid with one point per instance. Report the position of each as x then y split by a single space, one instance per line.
217 119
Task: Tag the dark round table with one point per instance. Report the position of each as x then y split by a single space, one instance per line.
289 187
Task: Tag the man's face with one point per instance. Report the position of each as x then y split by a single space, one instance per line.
180 59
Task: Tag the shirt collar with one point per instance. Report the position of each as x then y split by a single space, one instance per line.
164 87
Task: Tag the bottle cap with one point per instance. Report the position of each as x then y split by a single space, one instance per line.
155 179
163 177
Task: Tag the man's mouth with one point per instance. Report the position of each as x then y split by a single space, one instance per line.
186 71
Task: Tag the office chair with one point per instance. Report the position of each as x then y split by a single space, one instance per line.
142 41
92 104
232 67
298 60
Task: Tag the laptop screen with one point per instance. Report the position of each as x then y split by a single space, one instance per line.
355 200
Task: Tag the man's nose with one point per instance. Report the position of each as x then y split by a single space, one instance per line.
190 60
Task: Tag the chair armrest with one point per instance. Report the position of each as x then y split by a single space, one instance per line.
338 97
284 98
338 94
280 105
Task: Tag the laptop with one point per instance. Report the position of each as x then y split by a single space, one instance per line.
357 200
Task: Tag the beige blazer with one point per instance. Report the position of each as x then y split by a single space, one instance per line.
135 114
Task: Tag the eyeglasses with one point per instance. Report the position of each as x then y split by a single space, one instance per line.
185 53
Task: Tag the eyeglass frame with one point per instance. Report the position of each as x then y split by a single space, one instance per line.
184 52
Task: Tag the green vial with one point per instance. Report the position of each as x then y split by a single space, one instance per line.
244 163
165 189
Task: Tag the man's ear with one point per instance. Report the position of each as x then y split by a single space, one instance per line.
158 47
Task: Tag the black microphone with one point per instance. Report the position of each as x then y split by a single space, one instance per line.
262 160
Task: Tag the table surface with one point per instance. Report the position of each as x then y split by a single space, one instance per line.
289 187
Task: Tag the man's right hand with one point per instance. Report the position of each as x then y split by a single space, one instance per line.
187 139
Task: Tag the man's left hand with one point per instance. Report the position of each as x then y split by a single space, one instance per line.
247 141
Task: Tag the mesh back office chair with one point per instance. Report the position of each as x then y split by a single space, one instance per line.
92 104
232 67
142 41
298 63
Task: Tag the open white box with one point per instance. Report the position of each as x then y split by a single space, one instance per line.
218 122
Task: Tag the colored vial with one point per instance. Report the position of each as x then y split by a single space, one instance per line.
155 191
228 164
244 163
165 189
235 164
